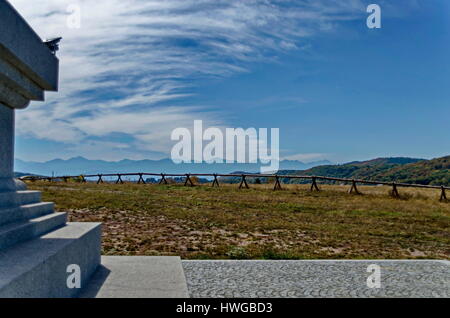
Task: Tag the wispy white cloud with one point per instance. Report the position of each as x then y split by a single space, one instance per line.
121 71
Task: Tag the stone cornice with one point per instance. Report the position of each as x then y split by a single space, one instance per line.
27 66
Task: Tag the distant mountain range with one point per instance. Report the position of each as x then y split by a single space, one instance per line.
80 165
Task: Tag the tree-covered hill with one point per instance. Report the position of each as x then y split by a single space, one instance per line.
434 172
359 169
407 170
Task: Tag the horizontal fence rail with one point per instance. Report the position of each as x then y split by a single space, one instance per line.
243 177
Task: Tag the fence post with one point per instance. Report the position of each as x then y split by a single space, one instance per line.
354 189
119 179
100 180
394 192
277 184
314 186
244 182
163 179
83 179
188 179
215 182
141 179
443 195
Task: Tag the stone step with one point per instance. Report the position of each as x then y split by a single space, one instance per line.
138 277
17 232
38 268
25 212
12 199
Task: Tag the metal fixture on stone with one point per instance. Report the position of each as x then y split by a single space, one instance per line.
53 44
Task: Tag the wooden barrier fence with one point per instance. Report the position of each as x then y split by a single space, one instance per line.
244 184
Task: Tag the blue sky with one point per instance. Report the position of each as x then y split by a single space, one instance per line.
336 89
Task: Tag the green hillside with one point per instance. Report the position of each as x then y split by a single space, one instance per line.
407 170
359 169
434 172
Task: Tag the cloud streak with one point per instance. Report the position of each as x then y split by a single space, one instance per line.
132 61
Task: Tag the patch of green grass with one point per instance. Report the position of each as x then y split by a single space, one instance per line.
274 254
237 252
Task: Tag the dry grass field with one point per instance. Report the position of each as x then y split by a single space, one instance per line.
227 223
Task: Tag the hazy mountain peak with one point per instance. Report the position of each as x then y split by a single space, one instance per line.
80 165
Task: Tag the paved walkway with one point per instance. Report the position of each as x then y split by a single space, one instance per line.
237 279
137 277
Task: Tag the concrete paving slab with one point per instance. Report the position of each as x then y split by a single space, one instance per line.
138 277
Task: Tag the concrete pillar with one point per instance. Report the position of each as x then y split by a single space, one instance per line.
6 148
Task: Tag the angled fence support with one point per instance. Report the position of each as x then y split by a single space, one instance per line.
188 179
354 189
83 179
314 186
141 179
443 195
277 185
243 183
119 179
215 182
163 179
100 179
394 192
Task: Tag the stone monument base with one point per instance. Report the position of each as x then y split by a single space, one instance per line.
37 246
